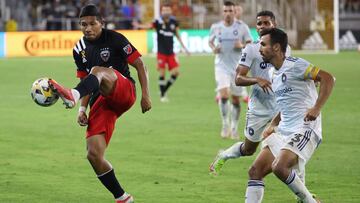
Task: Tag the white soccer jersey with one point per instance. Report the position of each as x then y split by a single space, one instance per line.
226 36
295 93
261 103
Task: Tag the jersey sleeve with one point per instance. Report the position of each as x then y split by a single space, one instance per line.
127 50
247 34
304 70
247 56
80 67
155 24
212 34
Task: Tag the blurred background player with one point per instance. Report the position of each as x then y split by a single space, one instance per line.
299 130
102 58
166 28
227 38
262 105
238 14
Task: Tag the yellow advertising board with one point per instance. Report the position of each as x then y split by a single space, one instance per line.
58 43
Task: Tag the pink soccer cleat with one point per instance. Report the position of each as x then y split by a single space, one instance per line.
128 199
64 93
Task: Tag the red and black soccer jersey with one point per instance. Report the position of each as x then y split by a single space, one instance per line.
165 34
111 49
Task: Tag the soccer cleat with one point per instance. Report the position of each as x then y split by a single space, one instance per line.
64 93
298 200
217 164
164 99
128 199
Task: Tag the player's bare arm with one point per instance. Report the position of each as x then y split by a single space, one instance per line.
272 126
144 26
82 118
327 82
181 42
215 49
144 83
243 80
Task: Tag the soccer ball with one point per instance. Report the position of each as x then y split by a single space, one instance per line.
42 94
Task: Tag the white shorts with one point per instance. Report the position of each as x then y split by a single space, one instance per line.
303 144
227 80
255 126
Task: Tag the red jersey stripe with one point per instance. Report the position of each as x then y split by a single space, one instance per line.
81 74
133 56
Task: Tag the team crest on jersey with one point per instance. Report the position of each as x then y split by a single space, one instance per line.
128 49
172 27
283 77
243 57
235 32
251 131
105 54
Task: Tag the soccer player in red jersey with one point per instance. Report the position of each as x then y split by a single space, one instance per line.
102 57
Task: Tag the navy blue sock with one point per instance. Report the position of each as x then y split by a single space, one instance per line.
88 85
111 183
170 82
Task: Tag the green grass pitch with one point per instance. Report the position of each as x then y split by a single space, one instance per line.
161 156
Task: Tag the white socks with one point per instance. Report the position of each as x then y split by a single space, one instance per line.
123 197
76 95
232 152
254 191
298 188
224 111
235 115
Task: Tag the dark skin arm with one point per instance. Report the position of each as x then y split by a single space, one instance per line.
242 79
180 40
82 117
144 83
271 128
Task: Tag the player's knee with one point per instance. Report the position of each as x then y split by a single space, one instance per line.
175 73
236 101
255 173
248 151
93 156
96 70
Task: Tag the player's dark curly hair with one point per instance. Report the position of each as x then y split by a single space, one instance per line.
277 36
90 10
229 3
266 13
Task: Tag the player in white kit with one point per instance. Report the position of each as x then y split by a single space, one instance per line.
299 120
238 16
227 38
262 105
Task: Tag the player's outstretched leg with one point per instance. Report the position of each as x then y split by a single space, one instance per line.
69 96
239 149
100 78
282 168
96 146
